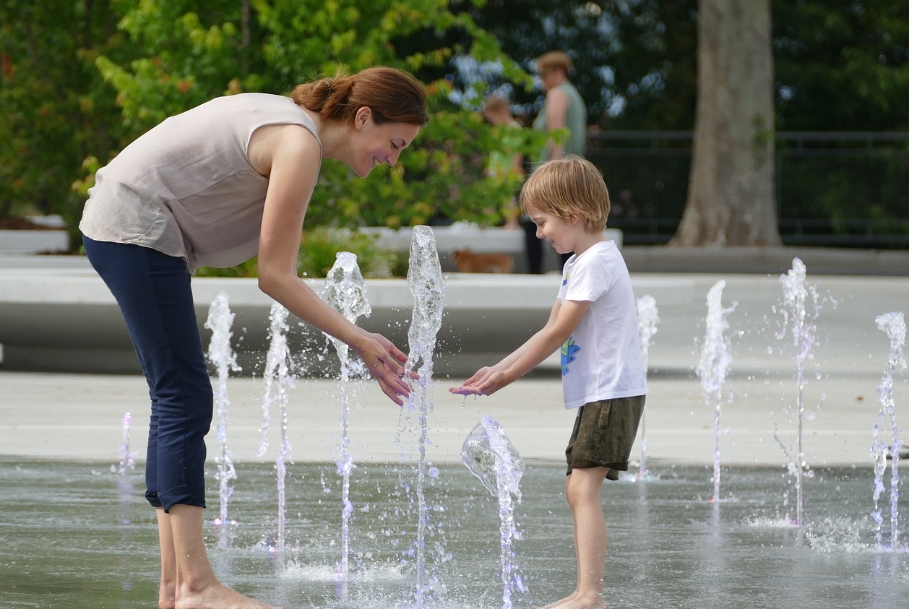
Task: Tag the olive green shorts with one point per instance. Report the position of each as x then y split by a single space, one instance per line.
603 434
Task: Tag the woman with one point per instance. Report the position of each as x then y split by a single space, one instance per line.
215 186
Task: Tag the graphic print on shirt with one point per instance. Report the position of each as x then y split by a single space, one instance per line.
569 349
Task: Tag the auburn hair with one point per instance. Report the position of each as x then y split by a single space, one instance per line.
393 96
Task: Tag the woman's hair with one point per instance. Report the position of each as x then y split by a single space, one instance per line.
568 188
392 95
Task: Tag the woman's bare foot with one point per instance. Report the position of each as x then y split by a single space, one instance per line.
576 601
217 596
166 596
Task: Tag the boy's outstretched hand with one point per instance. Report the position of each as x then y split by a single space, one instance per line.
486 381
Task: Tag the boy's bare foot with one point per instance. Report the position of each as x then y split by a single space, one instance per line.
559 603
217 596
576 601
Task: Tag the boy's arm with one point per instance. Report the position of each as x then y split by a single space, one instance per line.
563 320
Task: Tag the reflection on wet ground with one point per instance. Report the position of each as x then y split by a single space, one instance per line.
80 535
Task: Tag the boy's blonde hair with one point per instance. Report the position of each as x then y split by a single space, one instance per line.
568 188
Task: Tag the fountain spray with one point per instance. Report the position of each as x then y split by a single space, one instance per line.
796 294
424 276
277 379
220 320
490 456
127 458
345 290
894 326
648 319
713 367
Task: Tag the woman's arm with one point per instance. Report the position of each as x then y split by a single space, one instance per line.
290 157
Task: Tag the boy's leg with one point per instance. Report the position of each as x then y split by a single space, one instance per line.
583 492
582 489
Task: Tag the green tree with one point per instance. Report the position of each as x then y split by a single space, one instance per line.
191 51
730 192
54 106
841 66
634 61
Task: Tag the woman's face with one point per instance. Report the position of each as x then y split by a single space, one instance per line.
376 144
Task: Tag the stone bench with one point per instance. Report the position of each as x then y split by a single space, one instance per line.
478 240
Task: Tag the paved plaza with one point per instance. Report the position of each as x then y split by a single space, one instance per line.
80 416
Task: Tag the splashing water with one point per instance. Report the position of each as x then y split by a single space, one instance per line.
894 326
713 367
345 290
126 464
796 295
277 380
490 456
127 458
424 276
220 319
648 319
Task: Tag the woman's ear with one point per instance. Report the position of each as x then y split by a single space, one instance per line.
363 115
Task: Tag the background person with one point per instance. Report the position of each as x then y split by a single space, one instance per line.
497 111
564 108
215 186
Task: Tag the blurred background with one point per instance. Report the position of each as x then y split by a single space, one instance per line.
82 79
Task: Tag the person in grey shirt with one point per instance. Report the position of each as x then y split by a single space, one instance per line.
217 185
564 108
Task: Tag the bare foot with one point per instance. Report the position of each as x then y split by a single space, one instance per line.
217 596
561 602
166 596
576 601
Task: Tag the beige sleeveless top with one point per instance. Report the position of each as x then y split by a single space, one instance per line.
186 187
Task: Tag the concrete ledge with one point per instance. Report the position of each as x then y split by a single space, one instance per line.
57 315
456 236
477 240
766 260
65 319
33 241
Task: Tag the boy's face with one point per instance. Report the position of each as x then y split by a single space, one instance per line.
562 234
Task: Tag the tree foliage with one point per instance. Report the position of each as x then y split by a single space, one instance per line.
841 66
80 80
192 51
635 61
51 99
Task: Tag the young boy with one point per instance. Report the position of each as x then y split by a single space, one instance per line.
594 320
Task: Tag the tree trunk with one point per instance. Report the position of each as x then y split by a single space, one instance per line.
731 189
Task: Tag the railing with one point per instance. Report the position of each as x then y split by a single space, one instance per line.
844 189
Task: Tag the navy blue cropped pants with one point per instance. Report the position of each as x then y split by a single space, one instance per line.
154 294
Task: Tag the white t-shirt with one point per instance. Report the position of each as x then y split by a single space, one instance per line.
602 359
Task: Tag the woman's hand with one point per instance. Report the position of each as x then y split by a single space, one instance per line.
385 363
